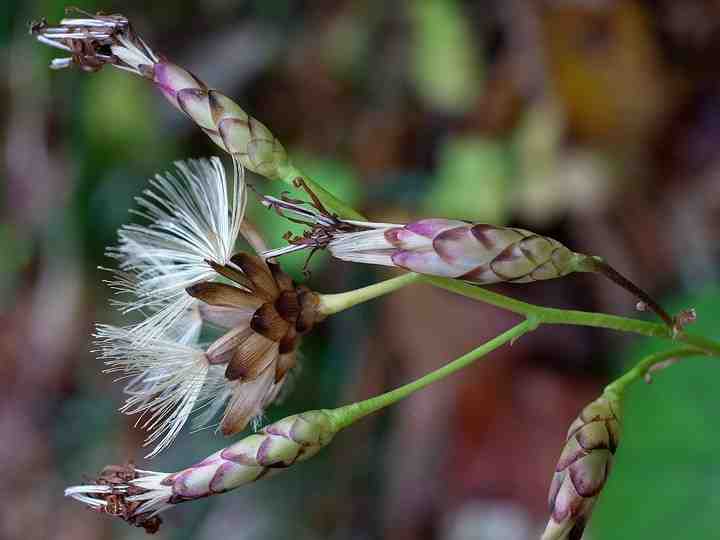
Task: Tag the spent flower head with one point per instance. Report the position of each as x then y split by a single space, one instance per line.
94 41
193 218
181 272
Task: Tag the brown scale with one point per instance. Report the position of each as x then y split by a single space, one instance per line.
284 313
119 478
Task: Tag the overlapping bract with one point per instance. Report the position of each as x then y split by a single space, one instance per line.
583 468
451 248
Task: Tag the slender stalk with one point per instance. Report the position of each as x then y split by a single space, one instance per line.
644 366
345 416
334 303
288 175
601 267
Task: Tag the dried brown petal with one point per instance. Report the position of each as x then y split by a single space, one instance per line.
251 358
232 274
224 317
288 306
219 294
246 402
223 348
267 322
259 274
285 363
284 281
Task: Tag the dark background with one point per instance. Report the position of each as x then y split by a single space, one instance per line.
595 122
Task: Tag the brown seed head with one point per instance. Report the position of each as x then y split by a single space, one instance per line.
271 314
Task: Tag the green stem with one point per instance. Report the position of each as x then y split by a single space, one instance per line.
333 303
548 315
331 202
643 367
344 416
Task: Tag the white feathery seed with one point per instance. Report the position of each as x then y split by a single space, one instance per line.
156 498
193 216
167 381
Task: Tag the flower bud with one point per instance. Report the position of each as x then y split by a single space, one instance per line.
278 446
583 468
228 125
137 496
89 38
475 252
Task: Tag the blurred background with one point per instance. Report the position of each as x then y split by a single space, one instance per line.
596 122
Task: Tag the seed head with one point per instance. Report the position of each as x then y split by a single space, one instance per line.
191 216
181 271
193 219
265 314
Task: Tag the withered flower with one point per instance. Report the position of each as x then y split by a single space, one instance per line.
175 269
265 314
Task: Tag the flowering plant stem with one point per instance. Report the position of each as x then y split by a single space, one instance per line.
644 367
535 316
334 303
546 315
345 416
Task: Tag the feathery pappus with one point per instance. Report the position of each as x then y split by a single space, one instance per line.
181 273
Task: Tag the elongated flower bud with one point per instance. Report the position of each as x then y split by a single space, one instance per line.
583 468
94 41
137 496
452 248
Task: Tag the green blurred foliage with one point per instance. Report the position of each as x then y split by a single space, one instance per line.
663 484
472 181
447 69
332 172
17 252
119 115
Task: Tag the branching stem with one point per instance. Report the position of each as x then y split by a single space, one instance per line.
645 366
345 416
548 315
